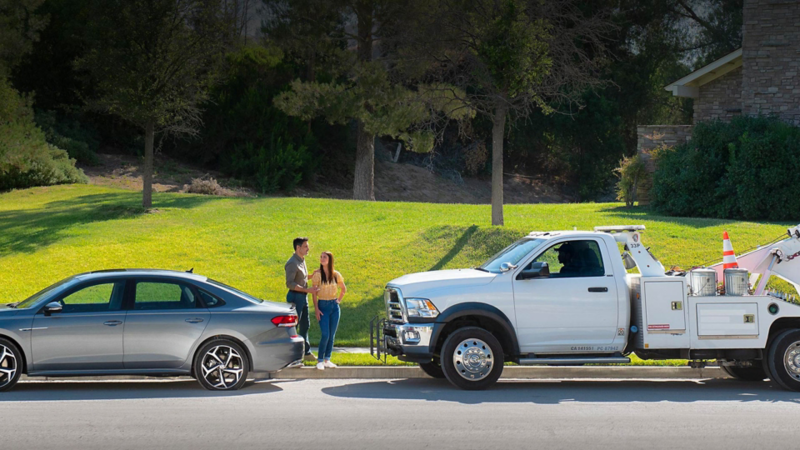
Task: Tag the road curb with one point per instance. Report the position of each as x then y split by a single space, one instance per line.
509 372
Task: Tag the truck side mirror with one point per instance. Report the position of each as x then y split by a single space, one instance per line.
537 270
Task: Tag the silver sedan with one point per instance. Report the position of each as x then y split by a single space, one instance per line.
146 322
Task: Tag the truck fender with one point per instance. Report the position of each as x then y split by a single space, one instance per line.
474 309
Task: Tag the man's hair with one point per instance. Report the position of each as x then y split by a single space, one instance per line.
298 242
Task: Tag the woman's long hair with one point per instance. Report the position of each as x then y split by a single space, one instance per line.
330 269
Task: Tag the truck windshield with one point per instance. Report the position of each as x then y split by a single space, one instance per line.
512 254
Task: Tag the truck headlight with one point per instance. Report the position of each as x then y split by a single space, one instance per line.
421 307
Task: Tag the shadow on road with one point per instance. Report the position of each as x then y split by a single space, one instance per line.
567 391
44 391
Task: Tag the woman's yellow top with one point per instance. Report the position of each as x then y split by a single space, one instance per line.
329 290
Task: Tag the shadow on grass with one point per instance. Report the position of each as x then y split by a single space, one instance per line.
29 230
563 391
639 213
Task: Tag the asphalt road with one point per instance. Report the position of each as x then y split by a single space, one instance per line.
407 414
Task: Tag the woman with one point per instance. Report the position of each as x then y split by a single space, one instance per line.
326 306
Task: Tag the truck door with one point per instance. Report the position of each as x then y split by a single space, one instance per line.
575 310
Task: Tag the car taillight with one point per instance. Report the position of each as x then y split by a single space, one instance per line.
285 321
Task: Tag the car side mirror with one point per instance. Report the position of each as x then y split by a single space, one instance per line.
537 270
52 307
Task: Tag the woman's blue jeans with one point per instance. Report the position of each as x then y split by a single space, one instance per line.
328 324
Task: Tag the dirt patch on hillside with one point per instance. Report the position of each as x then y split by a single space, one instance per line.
393 182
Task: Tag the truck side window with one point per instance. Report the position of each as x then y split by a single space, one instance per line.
573 259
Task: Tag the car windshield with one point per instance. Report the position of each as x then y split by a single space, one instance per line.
512 254
236 291
33 299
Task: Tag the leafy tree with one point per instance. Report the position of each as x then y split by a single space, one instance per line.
153 62
371 93
515 56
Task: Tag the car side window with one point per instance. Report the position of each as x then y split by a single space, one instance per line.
211 301
94 298
152 295
573 259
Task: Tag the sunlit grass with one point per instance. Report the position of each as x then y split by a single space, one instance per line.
47 234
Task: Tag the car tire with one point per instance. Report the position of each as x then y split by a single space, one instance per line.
784 359
752 373
472 358
11 364
433 368
221 365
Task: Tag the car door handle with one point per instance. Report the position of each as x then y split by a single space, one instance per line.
113 323
195 320
598 289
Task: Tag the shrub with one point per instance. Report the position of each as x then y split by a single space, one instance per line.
205 185
631 172
737 170
272 167
70 135
26 159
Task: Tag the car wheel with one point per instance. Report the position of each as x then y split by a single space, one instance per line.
221 365
433 368
472 358
784 360
751 373
10 364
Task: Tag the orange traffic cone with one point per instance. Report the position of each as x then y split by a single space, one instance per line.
728 256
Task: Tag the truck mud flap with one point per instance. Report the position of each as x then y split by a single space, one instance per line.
377 340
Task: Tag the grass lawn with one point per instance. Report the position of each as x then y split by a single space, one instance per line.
47 234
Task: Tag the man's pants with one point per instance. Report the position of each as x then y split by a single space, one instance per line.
300 301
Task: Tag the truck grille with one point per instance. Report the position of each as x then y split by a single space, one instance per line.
394 306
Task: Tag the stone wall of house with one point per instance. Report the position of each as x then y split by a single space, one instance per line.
650 137
771 59
720 99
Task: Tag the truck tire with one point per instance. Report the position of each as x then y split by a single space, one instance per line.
472 358
753 373
784 359
433 368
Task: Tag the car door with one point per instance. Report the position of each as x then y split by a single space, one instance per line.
165 321
86 334
575 309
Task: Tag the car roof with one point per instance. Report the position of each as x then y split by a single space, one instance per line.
99 274
552 234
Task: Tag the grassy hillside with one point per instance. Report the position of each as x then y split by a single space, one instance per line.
47 234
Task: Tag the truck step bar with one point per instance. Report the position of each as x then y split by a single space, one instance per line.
570 361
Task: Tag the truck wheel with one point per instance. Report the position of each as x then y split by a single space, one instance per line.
472 358
784 360
753 373
10 364
433 368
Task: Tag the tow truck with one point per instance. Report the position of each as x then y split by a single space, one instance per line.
573 297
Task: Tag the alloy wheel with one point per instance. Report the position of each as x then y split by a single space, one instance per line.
791 360
222 367
8 365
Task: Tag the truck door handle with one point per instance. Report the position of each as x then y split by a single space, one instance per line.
113 323
598 289
195 320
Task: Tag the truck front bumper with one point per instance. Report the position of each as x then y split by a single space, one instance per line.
409 341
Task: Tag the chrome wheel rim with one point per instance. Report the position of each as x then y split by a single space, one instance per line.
222 367
791 360
473 359
8 365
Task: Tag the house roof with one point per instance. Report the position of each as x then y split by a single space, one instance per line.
688 86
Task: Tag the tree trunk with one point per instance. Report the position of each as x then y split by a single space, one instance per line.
364 184
147 173
498 130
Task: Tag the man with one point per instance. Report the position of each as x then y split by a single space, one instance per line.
297 283
567 256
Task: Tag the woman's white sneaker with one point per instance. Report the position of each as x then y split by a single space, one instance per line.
320 366
330 365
